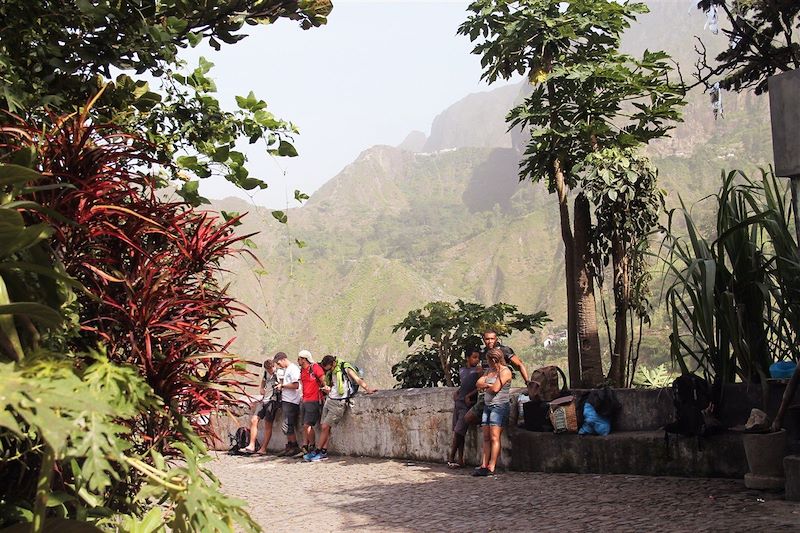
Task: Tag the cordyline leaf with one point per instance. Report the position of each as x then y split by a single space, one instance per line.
102 274
126 211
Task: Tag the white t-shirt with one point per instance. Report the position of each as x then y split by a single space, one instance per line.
291 375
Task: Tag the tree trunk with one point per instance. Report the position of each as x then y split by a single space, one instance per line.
619 356
444 359
588 336
573 356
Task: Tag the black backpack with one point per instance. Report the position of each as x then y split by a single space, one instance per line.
690 396
240 440
605 403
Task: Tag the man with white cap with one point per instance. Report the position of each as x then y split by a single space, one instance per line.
312 380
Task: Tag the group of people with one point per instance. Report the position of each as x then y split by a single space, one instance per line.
308 391
321 392
483 396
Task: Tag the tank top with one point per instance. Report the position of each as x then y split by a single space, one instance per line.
500 397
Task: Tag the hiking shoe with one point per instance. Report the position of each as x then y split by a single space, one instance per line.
319 456
301 452
287 450
309 455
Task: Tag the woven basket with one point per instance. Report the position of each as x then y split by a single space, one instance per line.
563 415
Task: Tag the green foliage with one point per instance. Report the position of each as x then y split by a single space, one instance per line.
54 57
71 453
653 378
446 330
586 94
734 298
424 369
762 43
622 185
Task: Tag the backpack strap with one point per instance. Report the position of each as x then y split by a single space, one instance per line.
563 380
320 380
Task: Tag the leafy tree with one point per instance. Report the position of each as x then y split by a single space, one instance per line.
586 96
56 56
762 42
622 184
448 329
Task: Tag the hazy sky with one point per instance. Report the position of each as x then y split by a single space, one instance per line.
374 73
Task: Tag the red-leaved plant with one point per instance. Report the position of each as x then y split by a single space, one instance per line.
151 266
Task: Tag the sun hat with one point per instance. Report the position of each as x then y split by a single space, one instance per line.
305 354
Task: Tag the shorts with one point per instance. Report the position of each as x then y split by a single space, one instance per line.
495 415
333 411
266 410
290 412
460 410
310 413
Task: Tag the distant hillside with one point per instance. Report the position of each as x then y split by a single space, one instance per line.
445 217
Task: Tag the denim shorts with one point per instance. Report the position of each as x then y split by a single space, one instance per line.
495 415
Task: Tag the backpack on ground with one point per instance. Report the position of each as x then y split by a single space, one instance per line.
240 440
543 385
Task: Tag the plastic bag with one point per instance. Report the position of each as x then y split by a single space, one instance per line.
593 424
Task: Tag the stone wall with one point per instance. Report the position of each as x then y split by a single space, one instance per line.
415 424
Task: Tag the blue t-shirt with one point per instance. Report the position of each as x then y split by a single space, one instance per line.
469 378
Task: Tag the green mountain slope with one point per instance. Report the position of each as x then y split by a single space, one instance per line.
397 228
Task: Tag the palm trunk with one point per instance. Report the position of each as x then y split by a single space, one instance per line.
588 336
573 356
619 356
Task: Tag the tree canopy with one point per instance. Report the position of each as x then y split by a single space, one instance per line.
443 331
762 42
56 56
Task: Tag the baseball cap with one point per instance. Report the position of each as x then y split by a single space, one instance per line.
305 354
279 356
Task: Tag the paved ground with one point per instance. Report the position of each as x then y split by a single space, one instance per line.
345 493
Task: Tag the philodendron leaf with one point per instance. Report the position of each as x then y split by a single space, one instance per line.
39 312
14 174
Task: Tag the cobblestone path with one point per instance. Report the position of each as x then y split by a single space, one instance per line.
347 493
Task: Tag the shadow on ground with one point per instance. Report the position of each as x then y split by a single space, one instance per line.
514 501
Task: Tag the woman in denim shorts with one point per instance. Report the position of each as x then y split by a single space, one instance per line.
496 384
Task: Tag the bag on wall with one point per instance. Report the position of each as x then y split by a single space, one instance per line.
537 416
564 415
543 385
691 396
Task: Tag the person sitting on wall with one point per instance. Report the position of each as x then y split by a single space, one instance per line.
496 384
340 378
291 397
265 410
312 379
463 399
491 341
